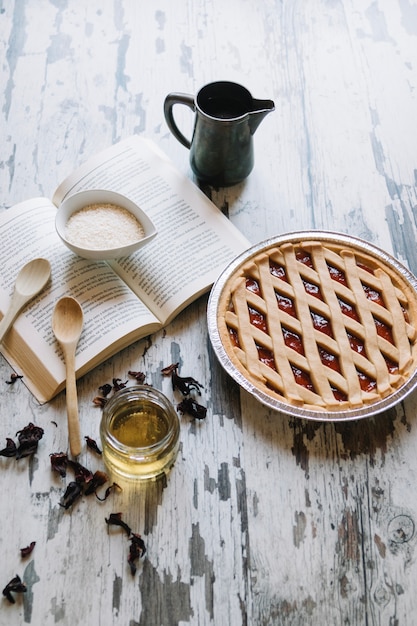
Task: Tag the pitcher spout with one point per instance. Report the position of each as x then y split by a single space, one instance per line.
259 109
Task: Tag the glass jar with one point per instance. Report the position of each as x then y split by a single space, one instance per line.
139 433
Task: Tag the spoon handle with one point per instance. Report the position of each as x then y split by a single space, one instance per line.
16 304
72 405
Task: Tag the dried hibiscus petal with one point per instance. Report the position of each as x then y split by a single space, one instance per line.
98 479
118 384
59 462
139 376
10 449
105 389
82 474
30 433
185 384
190 406
28 440
137 550
26 449
115 519
13 378
16 586
71 495
108 492
137 546
91 443
26 551
99 401
167 371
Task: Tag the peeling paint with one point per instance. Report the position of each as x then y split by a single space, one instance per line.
201 566
186 60
367 436
299 528
380 545
164 600
122 48
10 163
303 429
15 49
242 502
160 19
349 539
59 48
223 482
30 578
209 483
152 493
402 234
58 609
225 393
55 514
117 592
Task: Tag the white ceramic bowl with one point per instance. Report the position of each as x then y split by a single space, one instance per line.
82 199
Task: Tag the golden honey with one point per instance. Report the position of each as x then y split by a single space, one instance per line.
139 433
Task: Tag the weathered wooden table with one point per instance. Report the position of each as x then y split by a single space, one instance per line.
265 519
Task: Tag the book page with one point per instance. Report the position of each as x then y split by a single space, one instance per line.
195 241
113 316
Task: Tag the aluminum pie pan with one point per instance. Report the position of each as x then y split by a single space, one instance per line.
275 403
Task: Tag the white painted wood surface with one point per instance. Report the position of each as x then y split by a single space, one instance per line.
265 519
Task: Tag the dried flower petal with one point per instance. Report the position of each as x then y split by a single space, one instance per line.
15 585
91 443
115 519
108 492
139 376
99 401
99 479
118 384
26 551
190 406
28 440
10 449
105 389
167 371
59 462
185 384
30 433
26 449
137 550
71 495
82 474
13 378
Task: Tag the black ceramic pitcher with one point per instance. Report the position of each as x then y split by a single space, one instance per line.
227 116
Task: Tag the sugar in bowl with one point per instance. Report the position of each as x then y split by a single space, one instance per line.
139 433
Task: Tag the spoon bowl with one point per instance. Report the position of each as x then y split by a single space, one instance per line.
67 325
31 279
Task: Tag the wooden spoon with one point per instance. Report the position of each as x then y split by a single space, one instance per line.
31 279
67 324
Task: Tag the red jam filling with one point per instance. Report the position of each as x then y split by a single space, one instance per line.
320 323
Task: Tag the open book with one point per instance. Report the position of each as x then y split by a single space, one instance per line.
123 300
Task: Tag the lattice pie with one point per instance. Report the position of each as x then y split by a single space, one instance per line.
320 325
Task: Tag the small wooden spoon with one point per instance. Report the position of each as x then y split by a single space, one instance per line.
31 279
67 324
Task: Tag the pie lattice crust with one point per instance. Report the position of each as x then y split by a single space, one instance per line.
320 325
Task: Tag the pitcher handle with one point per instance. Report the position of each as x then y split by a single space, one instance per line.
170 100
